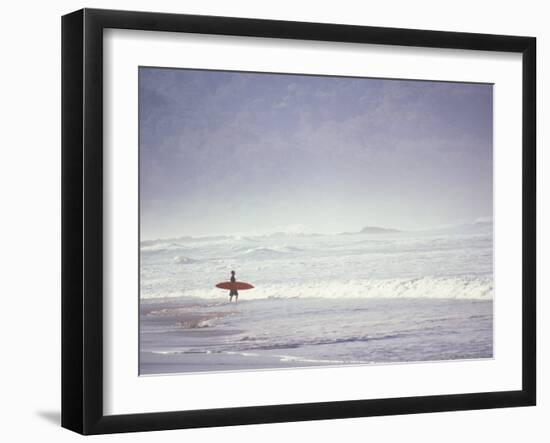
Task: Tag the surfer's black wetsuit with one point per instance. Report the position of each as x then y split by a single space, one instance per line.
233 292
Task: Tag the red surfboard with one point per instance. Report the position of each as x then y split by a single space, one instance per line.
236 285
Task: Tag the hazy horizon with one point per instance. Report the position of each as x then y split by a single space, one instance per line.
294 231
226 153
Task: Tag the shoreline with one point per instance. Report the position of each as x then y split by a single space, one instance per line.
193 336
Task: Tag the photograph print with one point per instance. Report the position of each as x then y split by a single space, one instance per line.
295 221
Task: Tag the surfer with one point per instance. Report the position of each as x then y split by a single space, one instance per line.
233 292
233 286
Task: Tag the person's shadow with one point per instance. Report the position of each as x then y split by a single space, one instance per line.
54 417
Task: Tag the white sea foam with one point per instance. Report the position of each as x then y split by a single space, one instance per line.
184 260
401 265
425 287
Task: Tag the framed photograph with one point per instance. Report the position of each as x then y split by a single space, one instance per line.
269 221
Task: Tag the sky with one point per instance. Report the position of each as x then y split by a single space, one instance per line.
253 153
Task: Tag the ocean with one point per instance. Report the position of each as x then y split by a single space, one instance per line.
339 299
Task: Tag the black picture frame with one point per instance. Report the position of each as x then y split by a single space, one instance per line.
82 220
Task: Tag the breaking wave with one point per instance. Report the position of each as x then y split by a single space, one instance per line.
269 251
184 260
474 288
